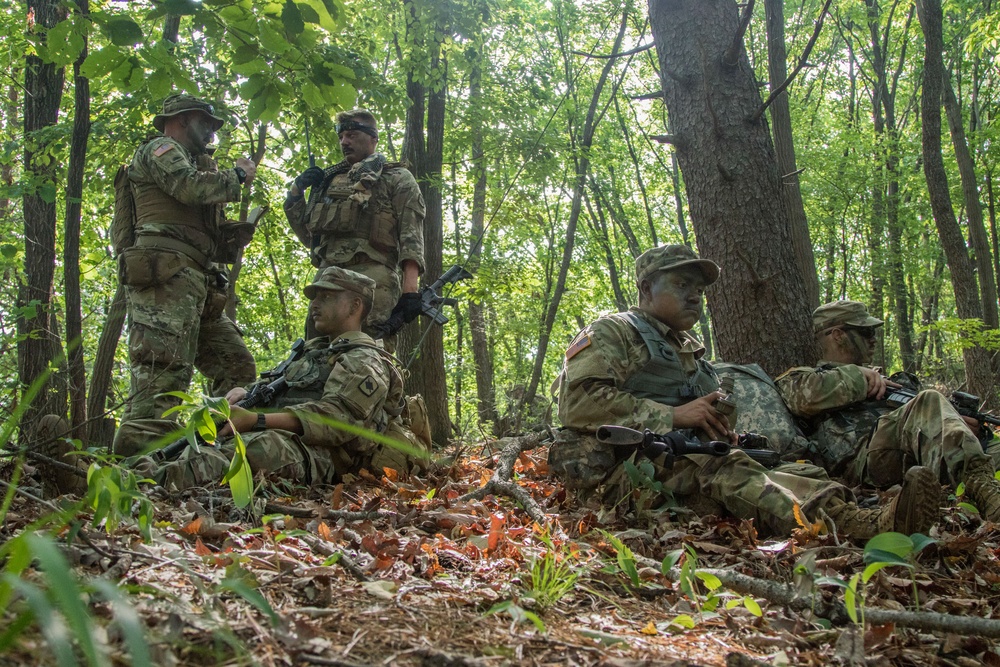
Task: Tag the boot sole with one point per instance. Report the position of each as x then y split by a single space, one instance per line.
918 506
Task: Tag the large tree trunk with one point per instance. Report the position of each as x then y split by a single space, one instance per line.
38 343
781 126
734 189
963 280
973 207
71 243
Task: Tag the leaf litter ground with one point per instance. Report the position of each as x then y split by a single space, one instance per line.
403 571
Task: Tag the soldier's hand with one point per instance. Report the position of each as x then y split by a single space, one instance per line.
877 384
249 167
235 395
409 306
701 414
308 178
243 419
973 424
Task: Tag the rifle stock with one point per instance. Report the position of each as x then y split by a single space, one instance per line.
676 444
260 394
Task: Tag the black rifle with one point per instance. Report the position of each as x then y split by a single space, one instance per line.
964 403
430 302
676 444
272 384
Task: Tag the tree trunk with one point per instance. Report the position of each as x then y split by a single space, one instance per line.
977 362
734 189
582 147
973 207
38 344
781 121
71 242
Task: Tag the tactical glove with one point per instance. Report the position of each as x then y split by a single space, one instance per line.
409 306
310 177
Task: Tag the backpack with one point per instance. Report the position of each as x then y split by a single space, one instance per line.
122 230
760 408
412 427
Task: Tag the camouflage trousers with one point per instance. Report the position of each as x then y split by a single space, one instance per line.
387 293
739 484
277 455
174 327
927 431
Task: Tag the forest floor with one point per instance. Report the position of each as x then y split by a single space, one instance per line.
405 572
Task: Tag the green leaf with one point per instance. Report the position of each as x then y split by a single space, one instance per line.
8 250
879 556
159 83
921 541
244 590
132 627
752 606
57 639
683 621
181 7
240 477
711 581
64 43
123 31
292 19
271 39
872 569
895 543
851 598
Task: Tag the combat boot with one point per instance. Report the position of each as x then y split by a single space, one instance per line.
50 441
983 489
914 510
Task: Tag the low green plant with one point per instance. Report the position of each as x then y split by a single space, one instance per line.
552 575
690 580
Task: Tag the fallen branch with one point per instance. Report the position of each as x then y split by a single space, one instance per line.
778 592
325 548
502 481
333 515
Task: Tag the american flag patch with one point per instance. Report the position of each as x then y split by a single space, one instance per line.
581 343
162 149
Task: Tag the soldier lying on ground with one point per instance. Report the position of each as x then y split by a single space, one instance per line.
867 441
344 375
640 369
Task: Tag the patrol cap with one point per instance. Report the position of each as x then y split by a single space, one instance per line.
670 257
339 280
181 102
843 313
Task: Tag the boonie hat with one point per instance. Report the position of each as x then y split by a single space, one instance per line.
669 257
338 279
182 102
843 313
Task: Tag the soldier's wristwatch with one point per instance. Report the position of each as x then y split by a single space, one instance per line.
261 424
240 174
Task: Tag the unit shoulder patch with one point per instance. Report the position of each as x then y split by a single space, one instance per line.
368 386
580 344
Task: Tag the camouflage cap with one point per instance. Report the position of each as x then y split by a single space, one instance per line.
841 313
182 102
338 279
670 257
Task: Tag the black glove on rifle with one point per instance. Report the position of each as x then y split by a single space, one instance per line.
409 306
308 178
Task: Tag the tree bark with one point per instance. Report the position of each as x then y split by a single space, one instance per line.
781 122
38 344
71 242
973 207
734 189
977 362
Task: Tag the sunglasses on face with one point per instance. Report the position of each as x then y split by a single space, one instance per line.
868 333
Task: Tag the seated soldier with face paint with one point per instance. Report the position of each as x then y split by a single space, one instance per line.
642 370
865 440
344 375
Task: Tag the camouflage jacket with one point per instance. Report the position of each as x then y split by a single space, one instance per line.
351 380
177 196
832 401
387 227
601 361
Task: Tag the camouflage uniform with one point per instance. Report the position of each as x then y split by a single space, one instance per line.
351 380
610 376
371 229
867 441
175 292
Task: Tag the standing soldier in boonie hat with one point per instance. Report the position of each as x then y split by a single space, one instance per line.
642 370
174 282
862 438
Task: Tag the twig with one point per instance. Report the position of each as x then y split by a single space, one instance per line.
501 483
638 49
658 95
30 496
730 56
327 549
336 662
48 460
798 67
663 138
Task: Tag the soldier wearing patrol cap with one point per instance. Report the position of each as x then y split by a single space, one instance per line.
866 441
175 284
344 377
642 370
366 214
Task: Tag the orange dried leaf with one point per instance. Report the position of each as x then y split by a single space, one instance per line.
194 527
201 549
497 522
324 531
338 496
391 474
650 629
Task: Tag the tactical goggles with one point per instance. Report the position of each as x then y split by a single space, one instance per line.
346 125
